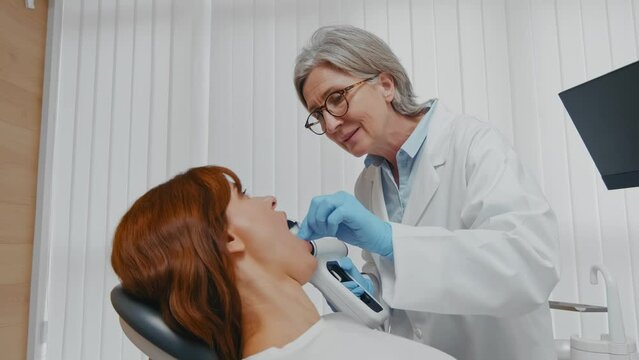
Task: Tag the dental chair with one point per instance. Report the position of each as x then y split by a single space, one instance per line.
143 325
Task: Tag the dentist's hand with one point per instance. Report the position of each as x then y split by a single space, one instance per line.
360 283
340 215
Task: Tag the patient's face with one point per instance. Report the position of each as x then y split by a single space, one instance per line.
265 234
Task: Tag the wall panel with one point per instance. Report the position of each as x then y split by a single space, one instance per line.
553 154
263 94
287 122
159 98
473 59
448 52
498 80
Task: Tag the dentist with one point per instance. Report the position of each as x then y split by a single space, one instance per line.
458 238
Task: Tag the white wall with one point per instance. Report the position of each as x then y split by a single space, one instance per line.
140 90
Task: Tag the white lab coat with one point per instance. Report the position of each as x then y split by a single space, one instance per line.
476 255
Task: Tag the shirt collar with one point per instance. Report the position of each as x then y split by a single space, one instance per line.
414 142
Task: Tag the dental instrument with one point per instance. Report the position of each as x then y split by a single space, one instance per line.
328 279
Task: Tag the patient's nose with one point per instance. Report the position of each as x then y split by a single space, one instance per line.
270 200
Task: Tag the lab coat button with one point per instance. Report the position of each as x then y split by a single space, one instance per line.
418 333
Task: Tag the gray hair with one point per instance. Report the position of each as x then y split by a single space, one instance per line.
360 54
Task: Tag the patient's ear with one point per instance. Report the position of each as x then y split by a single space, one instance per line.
235 243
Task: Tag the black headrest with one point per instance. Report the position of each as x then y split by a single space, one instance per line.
147 321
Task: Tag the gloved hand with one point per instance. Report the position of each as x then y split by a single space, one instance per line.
342 216
360 282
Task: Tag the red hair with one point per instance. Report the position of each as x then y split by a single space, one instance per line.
170 250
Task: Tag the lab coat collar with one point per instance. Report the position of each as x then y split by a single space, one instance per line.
426 180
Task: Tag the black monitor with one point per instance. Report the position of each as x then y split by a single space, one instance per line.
605 112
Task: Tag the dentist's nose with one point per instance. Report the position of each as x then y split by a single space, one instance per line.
331 122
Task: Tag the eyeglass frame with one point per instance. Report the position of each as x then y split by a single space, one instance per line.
320 110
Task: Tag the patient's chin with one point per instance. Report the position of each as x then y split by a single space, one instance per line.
309 246
312 268
306 270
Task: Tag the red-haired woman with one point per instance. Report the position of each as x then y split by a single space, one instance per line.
223 267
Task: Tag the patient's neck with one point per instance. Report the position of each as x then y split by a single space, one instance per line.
275 309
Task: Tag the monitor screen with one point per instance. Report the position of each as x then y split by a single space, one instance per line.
605 112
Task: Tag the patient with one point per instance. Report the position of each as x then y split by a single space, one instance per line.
223 267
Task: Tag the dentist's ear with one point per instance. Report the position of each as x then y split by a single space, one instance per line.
235 244
388 86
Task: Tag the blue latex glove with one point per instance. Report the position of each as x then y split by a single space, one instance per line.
342 216
360 283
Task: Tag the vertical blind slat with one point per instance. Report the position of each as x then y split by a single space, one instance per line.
62 177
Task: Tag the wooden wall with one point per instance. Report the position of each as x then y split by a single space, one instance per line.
22 49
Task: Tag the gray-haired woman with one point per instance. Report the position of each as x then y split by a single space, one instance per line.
458 238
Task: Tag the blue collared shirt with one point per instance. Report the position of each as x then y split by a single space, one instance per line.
396 195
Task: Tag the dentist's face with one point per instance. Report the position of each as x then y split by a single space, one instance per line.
363 125
265 234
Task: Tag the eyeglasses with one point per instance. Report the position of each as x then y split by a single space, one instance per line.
335 103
